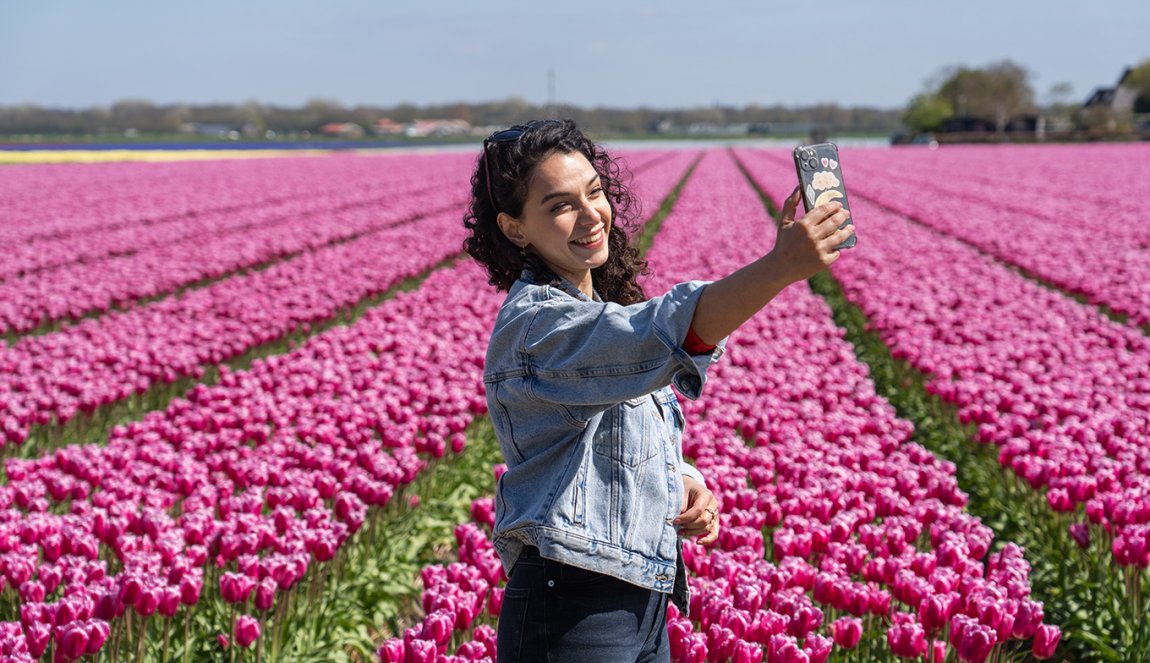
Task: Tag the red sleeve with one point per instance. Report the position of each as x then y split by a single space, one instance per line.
695 345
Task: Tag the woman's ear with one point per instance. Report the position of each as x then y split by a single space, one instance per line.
512 229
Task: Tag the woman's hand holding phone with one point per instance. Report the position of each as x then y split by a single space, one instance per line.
806 246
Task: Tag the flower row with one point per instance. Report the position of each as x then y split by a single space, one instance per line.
830 514
56 201
1062 390
86 288
375 181
792 437
48 379
1080 246
246 485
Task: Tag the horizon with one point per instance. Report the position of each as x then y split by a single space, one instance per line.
73 55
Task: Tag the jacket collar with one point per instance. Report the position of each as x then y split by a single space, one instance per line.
563 284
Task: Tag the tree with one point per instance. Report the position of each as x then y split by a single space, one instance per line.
1001 92
1139 81
1059 107
926 112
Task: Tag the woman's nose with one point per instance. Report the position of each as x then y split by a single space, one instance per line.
591 212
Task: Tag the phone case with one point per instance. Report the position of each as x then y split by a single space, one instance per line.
821 179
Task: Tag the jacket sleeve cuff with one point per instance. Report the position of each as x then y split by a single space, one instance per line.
674 322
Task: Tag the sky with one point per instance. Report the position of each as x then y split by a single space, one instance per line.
621 54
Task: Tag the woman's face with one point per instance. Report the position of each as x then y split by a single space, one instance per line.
565 219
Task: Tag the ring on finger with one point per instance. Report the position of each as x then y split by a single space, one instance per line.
714 514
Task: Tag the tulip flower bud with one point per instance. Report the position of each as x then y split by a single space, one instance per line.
73 642
847 631
97 631
169 601
420 651
247 630
748 652
495 601
906 637
391 651
1046 638
37 636
265 594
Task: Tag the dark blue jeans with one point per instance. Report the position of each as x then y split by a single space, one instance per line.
556 613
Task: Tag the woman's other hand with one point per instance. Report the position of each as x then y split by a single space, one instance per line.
806 246
700 513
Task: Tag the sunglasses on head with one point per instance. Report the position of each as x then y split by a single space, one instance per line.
509 135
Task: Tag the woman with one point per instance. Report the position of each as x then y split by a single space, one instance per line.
596 496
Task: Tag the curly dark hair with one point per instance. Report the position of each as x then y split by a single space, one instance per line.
512 164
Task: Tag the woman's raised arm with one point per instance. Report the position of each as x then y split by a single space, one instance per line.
802 249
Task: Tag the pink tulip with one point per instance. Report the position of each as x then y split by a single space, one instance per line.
847 632
906 638
748 652
37 636
265 594
495 601
247 630
73 642
818 648
391 651
235 587
1046 639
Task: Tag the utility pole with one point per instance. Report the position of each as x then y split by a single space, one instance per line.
551 92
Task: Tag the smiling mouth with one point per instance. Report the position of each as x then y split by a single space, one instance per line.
590 239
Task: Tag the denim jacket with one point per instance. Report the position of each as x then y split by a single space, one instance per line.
578 392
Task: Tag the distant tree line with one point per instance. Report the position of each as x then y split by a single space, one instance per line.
996 99
146 117
999 98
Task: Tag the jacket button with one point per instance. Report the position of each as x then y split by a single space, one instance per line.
550 583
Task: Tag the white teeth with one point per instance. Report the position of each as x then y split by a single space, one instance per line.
589 240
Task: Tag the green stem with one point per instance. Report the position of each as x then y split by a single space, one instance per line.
141 636
167 631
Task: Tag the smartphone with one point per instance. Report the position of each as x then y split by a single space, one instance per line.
821 179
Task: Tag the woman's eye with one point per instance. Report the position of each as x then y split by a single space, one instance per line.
560 207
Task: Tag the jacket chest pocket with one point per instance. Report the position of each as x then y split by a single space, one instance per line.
635 433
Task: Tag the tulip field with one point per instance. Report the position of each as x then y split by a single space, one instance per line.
242 413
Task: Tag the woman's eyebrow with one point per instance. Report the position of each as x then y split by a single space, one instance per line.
556 194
